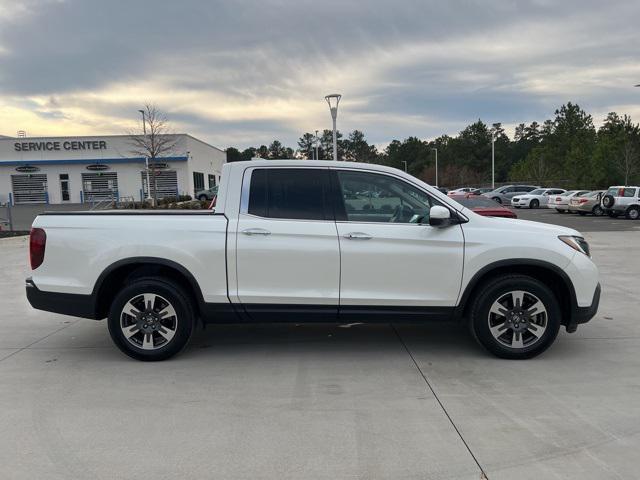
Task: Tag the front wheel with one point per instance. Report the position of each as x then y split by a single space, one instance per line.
151 319
598 211
534 204
515 317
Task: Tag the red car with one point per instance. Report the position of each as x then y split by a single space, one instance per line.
484 206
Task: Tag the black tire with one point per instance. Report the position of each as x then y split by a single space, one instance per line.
182 322
534 203
497 199
633 213
597 211
499 288
582 214
202 198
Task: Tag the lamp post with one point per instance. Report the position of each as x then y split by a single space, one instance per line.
333 100
436 150
146 158
316 145
495 128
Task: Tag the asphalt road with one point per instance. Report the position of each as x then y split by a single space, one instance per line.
587 223
322 401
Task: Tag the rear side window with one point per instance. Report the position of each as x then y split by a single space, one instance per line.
291 193
629 192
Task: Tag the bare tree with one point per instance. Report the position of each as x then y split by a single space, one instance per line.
627 162
153 143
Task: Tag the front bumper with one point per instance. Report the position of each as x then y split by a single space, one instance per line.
581 315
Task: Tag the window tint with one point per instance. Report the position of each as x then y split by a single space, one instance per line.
629 192
293 193
370 197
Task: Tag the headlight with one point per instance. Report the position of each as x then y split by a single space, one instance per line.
577 243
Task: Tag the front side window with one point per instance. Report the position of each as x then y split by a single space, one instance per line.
290 193
371 197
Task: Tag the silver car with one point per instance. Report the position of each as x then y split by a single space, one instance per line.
506 193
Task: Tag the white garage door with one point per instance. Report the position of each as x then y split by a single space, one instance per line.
100 186
166 183
30 188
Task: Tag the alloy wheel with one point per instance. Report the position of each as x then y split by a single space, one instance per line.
517 319
148 321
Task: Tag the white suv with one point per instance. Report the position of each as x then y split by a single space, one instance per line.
622 200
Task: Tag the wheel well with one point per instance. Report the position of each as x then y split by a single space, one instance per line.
115 279
547 276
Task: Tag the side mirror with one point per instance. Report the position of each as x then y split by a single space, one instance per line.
439 216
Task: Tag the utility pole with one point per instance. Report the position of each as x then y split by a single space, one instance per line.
333 100
436 150
405 165
495 128
316 145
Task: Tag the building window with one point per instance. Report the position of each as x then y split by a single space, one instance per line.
212 181
198 182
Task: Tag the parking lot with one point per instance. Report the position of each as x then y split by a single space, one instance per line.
325 401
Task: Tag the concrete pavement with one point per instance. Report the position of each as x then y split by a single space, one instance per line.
321 401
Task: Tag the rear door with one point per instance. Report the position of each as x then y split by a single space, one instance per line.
288 258
393 262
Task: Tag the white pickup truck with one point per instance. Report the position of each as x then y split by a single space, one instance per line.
313 241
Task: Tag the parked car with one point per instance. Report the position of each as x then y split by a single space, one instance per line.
587 203
443 190
284 244
535 198
506 193
461 191
484 206
207 194
622 200
482 190
561 202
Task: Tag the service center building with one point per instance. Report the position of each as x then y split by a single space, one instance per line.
89 169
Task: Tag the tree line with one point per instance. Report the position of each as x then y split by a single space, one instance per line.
566 151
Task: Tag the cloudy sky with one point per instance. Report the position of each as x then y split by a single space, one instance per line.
243 72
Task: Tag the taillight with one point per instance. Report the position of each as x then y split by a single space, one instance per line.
37 242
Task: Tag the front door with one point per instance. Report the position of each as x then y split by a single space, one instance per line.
392 259
288 259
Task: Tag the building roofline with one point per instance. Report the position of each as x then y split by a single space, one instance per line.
203 142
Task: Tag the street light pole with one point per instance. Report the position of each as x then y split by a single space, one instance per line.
316 142
436 150
146 157
495 128
332 99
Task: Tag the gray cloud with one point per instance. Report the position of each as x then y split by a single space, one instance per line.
405 67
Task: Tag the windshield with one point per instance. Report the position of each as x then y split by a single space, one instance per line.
537 191
475 201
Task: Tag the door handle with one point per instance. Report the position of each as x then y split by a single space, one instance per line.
256 231
358 236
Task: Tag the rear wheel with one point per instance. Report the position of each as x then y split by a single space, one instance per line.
633 213
515 317
534 203
151 319
597 211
